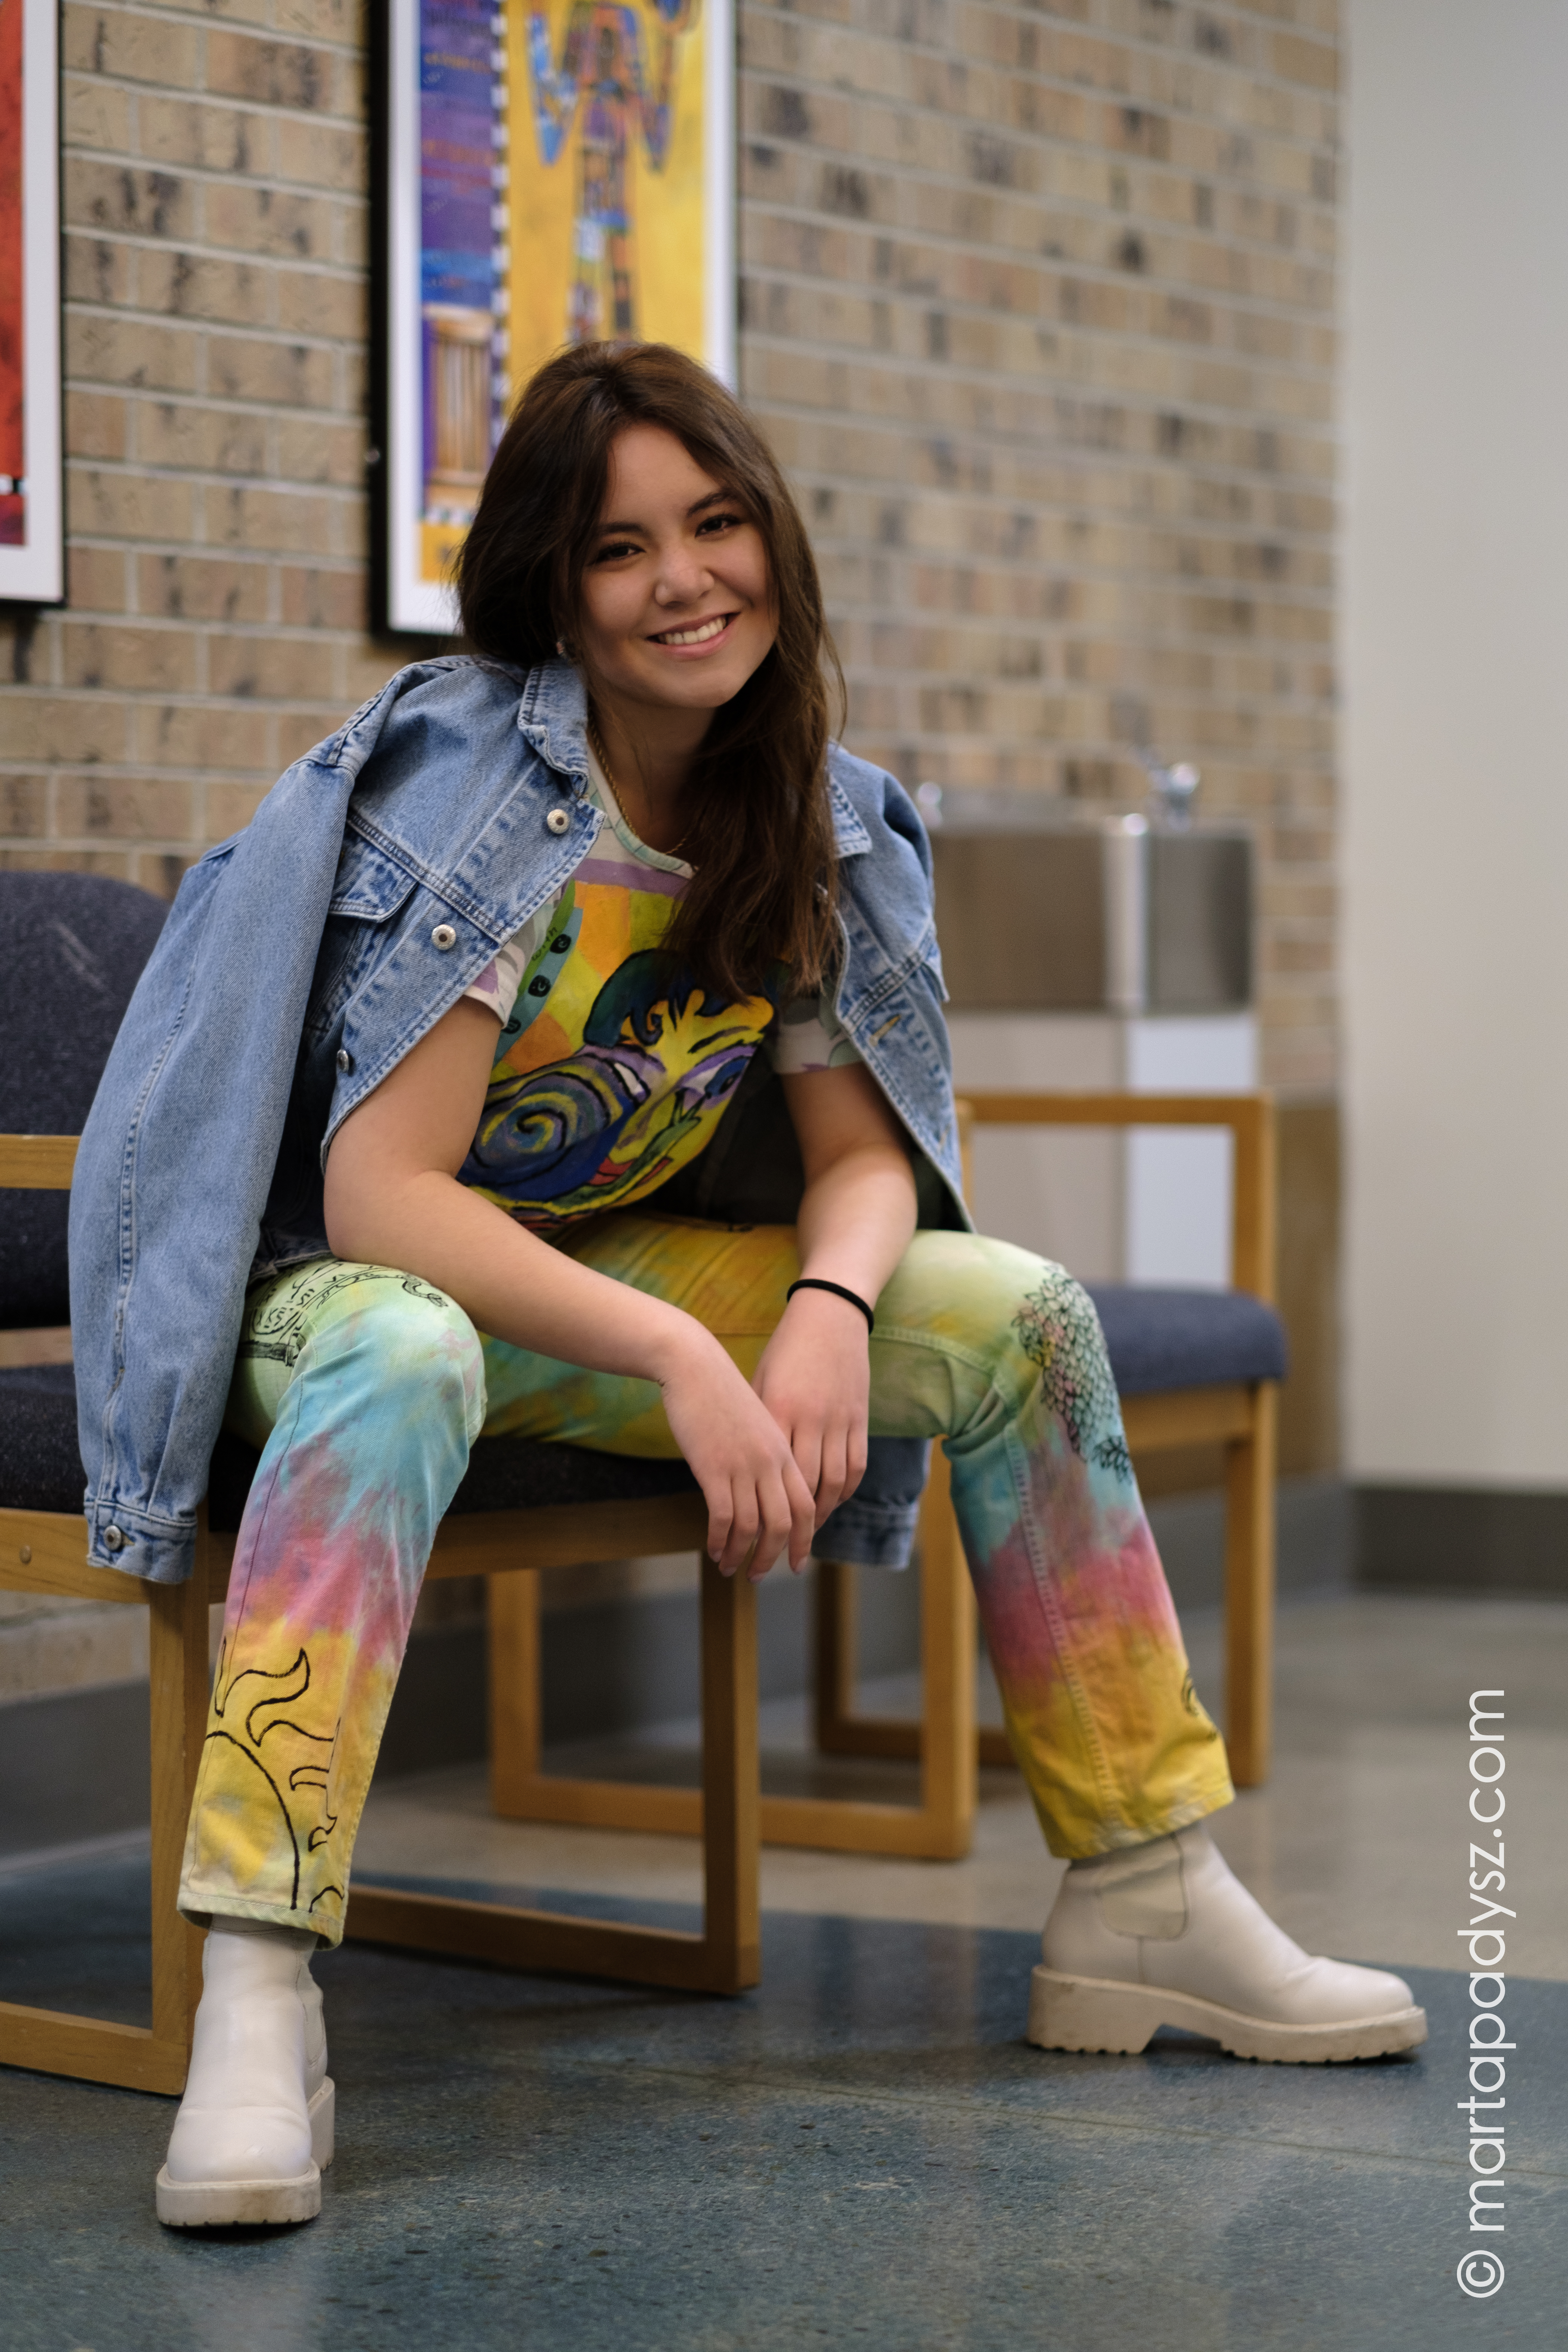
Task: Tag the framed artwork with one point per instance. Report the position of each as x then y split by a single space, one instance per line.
551 172
32 502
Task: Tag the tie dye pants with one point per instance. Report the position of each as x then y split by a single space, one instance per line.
364 1389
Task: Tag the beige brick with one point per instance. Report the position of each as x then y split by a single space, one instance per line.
293 375
321 452
24 806
129 350
270 667
313 598
105 504
135 808
159 661
119 200
188 434
129 45
95 425
274 222
324 155
298 731
199 736
203 588
320 302
69 728
274 73
285 523
228 808
93 114
206 286
159 871
98 269
96 579
364 670
194 132
1316 63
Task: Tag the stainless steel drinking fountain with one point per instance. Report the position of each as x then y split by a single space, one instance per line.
1100 949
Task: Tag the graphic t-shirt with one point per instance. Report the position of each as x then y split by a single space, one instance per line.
612 1071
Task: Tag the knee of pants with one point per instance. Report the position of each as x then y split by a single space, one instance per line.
1026 1306
419 1351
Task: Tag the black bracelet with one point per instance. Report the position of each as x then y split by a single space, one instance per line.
813 1282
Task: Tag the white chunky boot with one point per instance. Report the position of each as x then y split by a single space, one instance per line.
1163 1935
254 2133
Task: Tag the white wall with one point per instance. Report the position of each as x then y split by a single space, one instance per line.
1456 666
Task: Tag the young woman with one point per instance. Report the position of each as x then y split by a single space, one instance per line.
498 959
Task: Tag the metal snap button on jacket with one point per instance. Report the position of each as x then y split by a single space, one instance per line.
345 1059
443 936
113 1539
557 820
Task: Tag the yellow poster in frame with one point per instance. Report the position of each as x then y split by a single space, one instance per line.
556 171
608 201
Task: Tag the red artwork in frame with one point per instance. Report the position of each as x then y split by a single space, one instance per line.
31 504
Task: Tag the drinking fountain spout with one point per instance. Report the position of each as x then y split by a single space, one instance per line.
1171 792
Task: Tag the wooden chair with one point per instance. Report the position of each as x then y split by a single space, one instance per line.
43 1548
1240 1342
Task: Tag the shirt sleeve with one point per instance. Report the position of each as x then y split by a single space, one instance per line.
809 1036
496 987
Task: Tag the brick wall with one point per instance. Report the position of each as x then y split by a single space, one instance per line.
217 216
1038 305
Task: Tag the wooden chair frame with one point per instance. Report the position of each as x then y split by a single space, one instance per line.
44 1552
1239 1414
938 1828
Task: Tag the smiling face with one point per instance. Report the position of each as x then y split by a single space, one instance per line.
675 611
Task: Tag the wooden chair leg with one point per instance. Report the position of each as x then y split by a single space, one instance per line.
834 1611
726 1956
732 1789
137 2057
177 1661
948 1748
839 1730
512 1652
1250 1594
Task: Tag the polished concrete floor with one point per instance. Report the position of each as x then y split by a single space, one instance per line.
865 2150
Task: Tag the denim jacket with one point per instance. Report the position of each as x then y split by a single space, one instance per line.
303 961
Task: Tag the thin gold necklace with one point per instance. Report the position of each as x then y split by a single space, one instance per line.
602 757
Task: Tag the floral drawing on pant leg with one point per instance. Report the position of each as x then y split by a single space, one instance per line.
1058 1330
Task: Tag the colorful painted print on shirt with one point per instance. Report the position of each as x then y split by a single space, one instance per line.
623 1073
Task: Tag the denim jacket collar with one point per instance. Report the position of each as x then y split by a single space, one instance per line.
553 717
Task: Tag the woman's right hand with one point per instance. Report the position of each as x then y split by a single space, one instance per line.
759 1506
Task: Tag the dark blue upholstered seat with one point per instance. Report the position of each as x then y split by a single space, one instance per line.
40 1469
1159 1339
71 949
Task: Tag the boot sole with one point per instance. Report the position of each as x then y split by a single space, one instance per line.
1091 2014
223 2204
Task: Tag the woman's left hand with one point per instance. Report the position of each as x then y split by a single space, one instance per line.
815 1378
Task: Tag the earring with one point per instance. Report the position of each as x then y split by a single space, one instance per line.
567 651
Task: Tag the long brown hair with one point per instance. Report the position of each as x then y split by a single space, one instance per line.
760 836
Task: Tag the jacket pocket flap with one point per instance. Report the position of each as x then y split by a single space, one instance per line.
370 885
